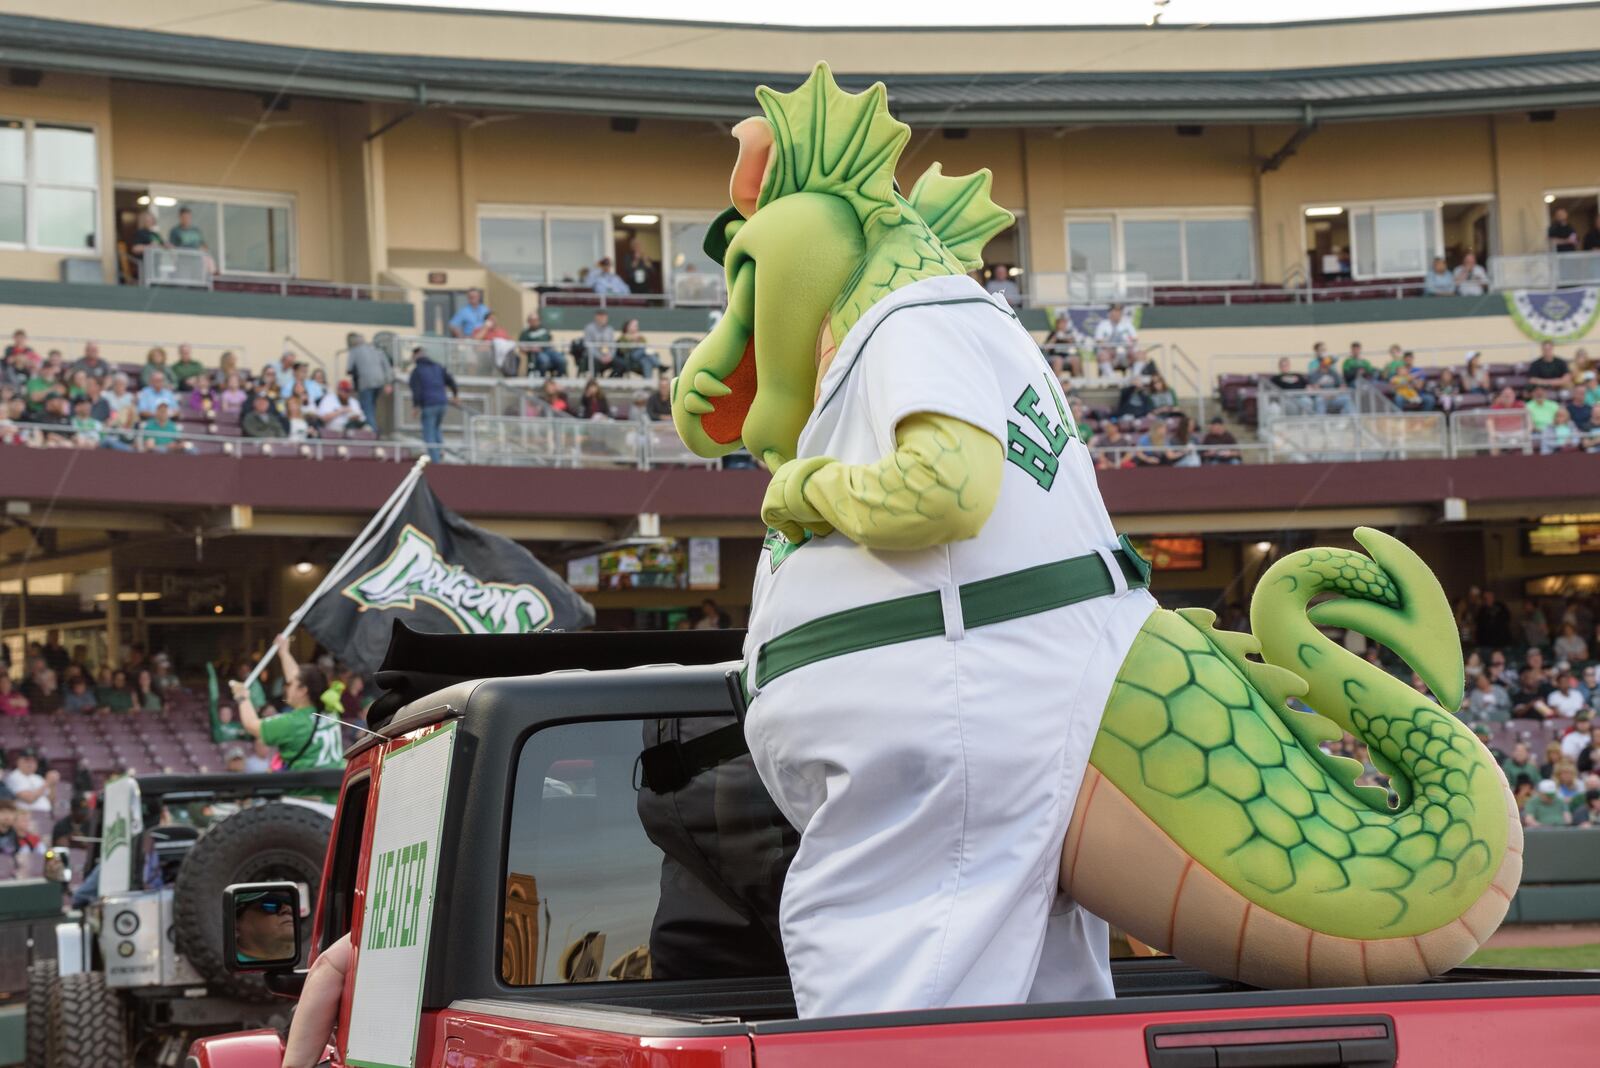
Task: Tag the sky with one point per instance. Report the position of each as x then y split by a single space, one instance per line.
975 12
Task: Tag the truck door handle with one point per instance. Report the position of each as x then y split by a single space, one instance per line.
1302 1042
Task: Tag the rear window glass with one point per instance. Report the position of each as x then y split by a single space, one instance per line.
637 852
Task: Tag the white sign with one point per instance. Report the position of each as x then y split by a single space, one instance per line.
705 564
402 872
123 820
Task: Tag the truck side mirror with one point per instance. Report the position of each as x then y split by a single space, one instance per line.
261 926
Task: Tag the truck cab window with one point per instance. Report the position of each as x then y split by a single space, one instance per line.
638 851
340 883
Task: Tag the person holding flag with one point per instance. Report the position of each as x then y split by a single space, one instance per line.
305 737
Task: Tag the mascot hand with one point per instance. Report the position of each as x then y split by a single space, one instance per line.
785 508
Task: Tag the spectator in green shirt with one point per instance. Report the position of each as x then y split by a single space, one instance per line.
186 234
1397 363
538 349
1520 762
1541 410
160 433
1545 809
186 368
304 739
1356 365
116 697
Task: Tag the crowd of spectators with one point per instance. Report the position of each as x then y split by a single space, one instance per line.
1533 669
90 403
44 806
1560 398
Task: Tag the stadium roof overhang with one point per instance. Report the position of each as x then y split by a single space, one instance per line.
1377 91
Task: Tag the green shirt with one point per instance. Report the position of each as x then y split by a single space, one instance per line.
1355 365
1393 368
1547 811
160 433
1513 769
114 699
187 237
184 370
304 741
1541 413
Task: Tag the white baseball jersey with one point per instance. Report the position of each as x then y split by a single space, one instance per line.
932 780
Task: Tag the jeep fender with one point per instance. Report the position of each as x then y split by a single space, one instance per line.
242 1049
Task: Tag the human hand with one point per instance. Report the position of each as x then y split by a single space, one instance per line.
785 509
52 776
387 390
239 690
281 642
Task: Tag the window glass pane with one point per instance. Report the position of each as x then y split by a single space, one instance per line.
280 241
696 277
575 247
255 239
65 218
1366 257
514 247
1402 241
1151 246
62 154
1218 250
13 229
604 878
1090 246
13 159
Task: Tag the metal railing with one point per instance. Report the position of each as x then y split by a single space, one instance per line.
566 442
563 441
175 267
197 269
508 358
1491 431
1545 270
1358 436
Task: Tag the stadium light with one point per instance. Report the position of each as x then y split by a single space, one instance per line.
640 220
166 202
1330 210
144 200
1549 198
303 567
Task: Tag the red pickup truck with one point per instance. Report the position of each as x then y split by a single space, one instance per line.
556 851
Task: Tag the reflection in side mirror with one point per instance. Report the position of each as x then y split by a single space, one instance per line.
261 926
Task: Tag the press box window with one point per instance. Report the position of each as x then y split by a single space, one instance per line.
638 852
49 186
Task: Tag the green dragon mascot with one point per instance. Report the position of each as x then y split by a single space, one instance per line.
960 692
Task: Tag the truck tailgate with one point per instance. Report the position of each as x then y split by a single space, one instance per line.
1445 1025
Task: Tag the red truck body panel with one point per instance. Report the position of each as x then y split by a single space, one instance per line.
462 1038
242 1049
1430 1034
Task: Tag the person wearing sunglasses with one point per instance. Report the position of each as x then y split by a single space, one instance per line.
263 925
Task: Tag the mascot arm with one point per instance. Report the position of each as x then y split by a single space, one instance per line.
939 485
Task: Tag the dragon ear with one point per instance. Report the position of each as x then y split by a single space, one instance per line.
755 161
959 212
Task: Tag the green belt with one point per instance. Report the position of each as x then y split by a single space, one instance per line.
921 615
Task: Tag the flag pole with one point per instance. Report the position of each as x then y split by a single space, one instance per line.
376 528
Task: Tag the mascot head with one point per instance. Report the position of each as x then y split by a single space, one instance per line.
817 232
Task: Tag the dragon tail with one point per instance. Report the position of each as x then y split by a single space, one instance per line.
1257 856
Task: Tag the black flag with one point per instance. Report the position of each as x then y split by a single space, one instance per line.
440 574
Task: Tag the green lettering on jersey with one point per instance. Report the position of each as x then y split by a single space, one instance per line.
1032 457
1028 405
1039 461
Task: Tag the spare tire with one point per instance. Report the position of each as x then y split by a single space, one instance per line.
42 976
281 841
